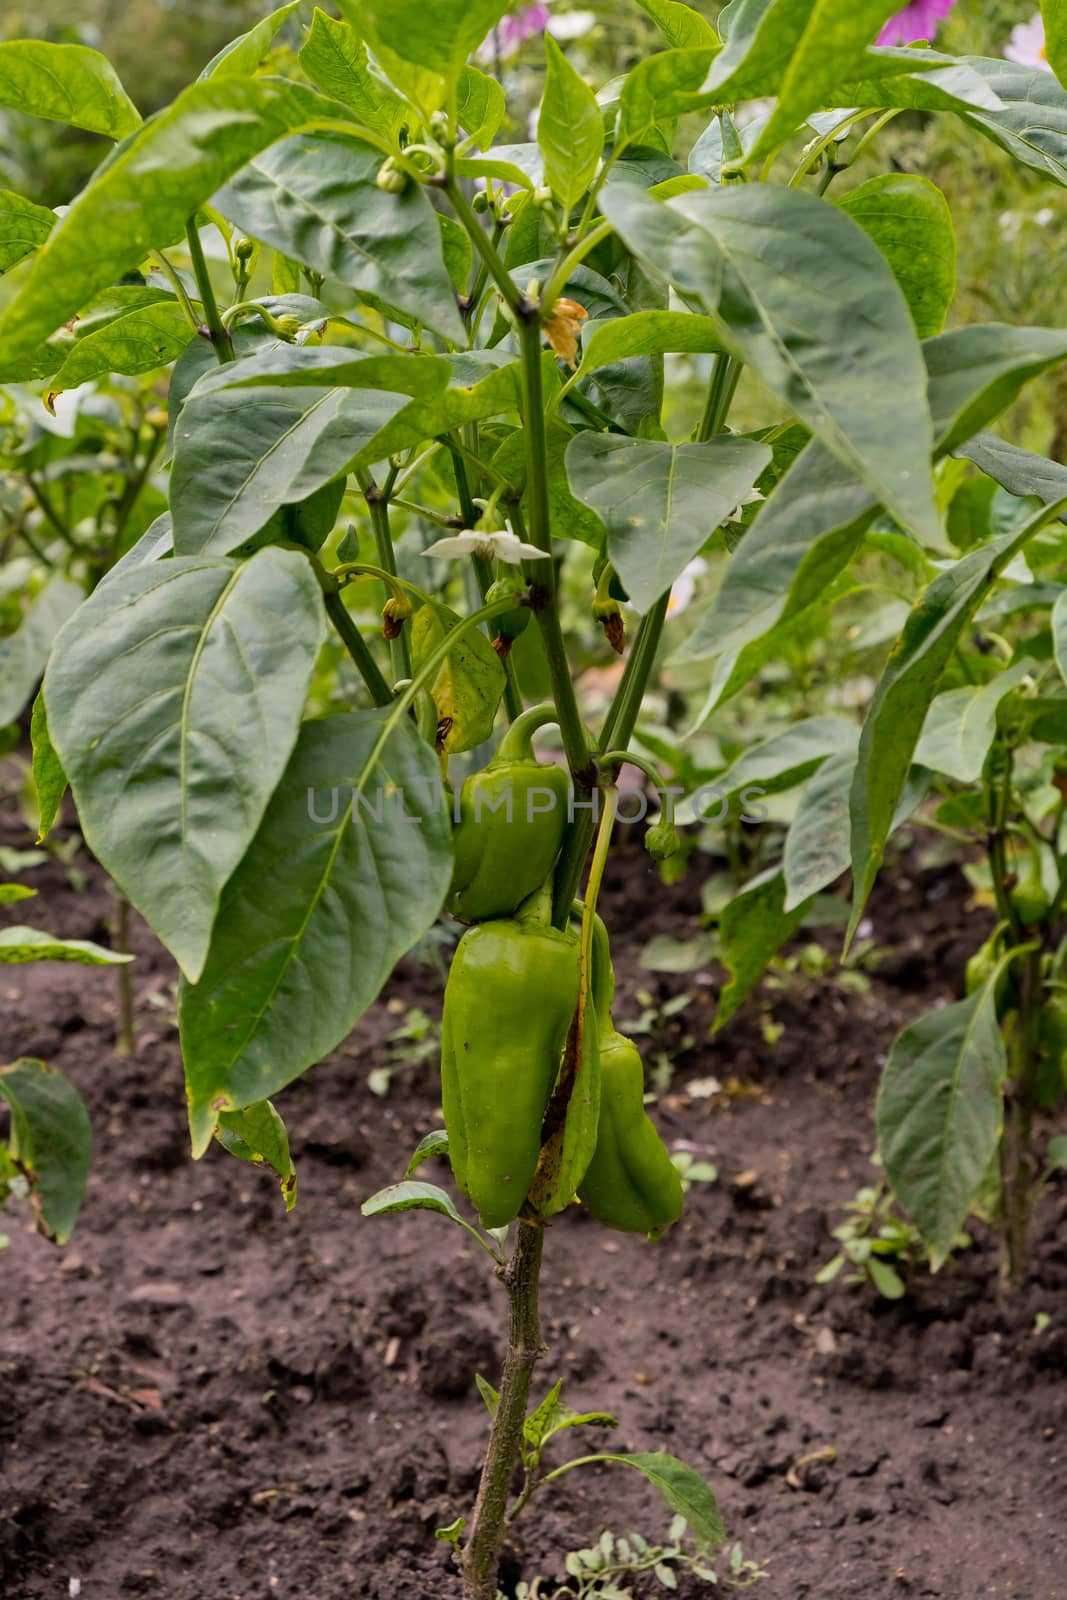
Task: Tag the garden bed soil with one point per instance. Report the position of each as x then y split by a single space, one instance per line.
204 1399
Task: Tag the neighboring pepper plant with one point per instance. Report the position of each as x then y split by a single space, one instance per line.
494 319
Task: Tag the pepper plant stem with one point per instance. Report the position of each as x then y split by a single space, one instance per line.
481 1554
358 649
220 339
547 615
378 506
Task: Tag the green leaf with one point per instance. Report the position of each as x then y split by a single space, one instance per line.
680 24
269 431
348 870
484 383
335 58
976 373
23 226
645 333
911 79
23 653
961 723
888 1282
1055 17
432 1144
411 1196
564 1419
658 91
10 892
142 196
660 502
804 297
570 129
833 38
19 945
481 106
909 220
1021 472
52 1141
683 1491
468 687
435 35
258 1134
174 699
817 844
905 690
940 1115
243 55
490 1395
65 83
779 762
1032 122
537 1425
49 779
316 199
139 340
815 520
753 928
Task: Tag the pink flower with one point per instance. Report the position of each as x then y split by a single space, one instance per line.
917 21
513 31
1027 47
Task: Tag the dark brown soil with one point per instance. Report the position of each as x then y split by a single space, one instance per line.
203 1399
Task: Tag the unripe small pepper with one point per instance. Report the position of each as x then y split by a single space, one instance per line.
511 624
631 1183
1052 1036
509 1002
513 815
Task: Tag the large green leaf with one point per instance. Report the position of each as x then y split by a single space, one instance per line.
961 723
816 518
1032 122
940 1113
143 196
906 688
335 59
1054 13
348 869
19 945
915 80
803 296
909 220
645 333
753 928
976 373
660 502
657 91
779 762
680 24
52 1141
435 35
65 83
835 34
243 55
570 129
254 436
316 199
141 339
817 844
174 699
23 653
23 226
1019 471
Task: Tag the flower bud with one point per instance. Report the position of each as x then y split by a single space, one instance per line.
480 203
392 178
662 840
244 249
